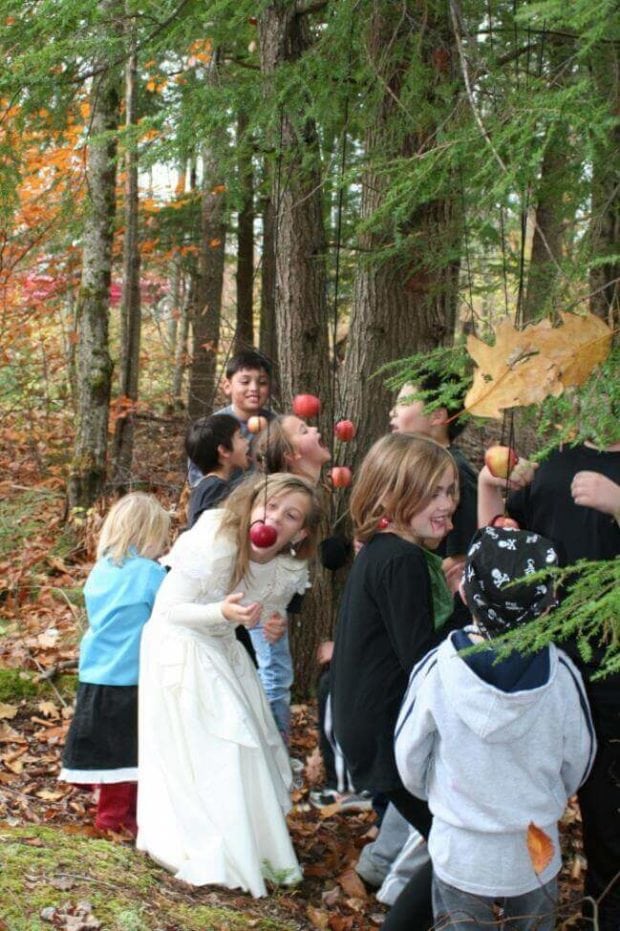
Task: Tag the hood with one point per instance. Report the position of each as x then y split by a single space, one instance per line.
486 707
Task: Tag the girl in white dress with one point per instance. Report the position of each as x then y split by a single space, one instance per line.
213 772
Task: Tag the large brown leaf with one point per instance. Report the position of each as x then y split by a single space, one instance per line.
525 366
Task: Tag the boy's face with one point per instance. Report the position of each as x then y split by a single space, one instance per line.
248 390
240 448
407 415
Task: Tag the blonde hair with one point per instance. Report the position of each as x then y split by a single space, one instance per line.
273 449
238 509
135 522
397 479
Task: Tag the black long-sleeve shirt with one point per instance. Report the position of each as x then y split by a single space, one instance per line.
385 626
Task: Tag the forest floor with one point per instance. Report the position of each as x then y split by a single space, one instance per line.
57 871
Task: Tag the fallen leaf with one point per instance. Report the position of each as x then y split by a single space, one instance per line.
48 709
352 884
7 711
318 918
540 847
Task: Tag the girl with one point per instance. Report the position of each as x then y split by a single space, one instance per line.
102 743
288 444
402 503
214 773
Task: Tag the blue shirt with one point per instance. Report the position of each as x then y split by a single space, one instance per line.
119 601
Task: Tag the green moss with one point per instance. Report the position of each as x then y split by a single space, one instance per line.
16 684
45 867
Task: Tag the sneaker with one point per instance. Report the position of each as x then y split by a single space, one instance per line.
346 801
323 798
356 801
297 768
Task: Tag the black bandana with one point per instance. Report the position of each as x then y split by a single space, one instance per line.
498 556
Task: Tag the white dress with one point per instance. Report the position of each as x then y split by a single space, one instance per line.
213 772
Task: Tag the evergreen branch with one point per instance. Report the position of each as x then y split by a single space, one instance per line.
455 16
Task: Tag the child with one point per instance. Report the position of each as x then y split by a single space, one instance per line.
216 446
409 415
403 500
102 744
573 498
288 444
494 745
214 773
247 383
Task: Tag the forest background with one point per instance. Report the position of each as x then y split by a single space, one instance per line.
342 183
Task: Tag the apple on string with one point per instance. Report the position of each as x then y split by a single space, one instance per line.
345 430
306 405
257 423
263 535
500 460
341 476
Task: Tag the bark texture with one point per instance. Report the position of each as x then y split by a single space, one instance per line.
402 303
94 366
131 311
301 318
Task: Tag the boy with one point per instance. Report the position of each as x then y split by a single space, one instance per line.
494 745
409 416
215 445
247 383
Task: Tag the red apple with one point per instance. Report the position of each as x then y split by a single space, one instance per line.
345 430
500 460
341 476
306 405
502 520
257 423
263 535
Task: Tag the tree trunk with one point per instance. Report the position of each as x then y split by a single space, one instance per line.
406 303
130 305
550 205
244 332
206 310
94 366
605 224
268 337
300 286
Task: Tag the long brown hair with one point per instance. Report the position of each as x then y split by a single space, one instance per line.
238 509
397 478
272 449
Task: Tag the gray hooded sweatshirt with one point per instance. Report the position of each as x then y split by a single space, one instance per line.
493 747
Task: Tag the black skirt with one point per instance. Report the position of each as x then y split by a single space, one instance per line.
102 743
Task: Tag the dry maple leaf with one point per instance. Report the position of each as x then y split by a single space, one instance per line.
525 366
540 847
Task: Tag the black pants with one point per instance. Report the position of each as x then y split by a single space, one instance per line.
599 800
413 909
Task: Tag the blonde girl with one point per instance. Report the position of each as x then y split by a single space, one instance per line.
401 505
102 743
214 773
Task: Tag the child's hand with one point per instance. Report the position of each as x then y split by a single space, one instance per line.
274 627
248 615
453 567
594 490
521 475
